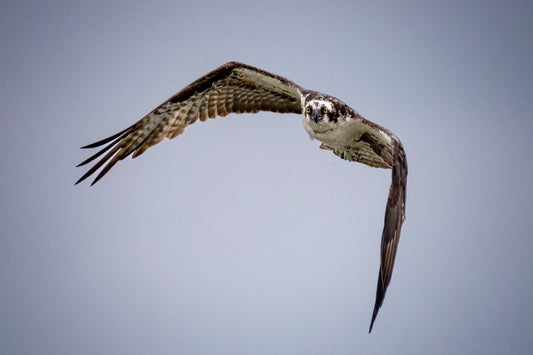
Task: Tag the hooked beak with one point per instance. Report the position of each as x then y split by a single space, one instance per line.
315 116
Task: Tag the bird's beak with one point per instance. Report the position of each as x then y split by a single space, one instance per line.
315 116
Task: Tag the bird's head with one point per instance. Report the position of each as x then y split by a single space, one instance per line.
321 110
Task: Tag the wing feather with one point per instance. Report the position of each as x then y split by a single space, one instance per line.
103 150
231 88
366 142
394 217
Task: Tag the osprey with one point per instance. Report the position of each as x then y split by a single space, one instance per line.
240 88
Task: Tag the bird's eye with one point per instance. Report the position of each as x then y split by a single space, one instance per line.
324 110
308 110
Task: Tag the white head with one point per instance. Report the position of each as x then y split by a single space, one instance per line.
320 110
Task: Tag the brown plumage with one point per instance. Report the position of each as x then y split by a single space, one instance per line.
232 88
394 217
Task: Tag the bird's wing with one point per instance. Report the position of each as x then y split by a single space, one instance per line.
231 88
376 146
394 217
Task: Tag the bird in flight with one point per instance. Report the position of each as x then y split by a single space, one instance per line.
241 88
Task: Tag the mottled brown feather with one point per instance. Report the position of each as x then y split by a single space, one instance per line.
231 88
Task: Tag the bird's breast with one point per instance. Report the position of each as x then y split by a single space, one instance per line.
333 134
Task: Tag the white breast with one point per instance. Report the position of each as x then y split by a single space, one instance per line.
343 133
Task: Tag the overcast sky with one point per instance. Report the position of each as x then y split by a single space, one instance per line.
241 236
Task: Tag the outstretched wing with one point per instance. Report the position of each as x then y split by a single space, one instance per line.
231 88
394 217
376 146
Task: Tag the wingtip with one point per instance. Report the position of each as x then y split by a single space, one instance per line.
84 177
80 180
372 323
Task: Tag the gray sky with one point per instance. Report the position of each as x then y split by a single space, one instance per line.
241 236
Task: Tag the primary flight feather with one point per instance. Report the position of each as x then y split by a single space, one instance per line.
240 88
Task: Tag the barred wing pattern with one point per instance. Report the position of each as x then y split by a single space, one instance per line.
231 88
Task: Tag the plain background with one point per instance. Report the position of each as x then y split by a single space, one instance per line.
241 236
